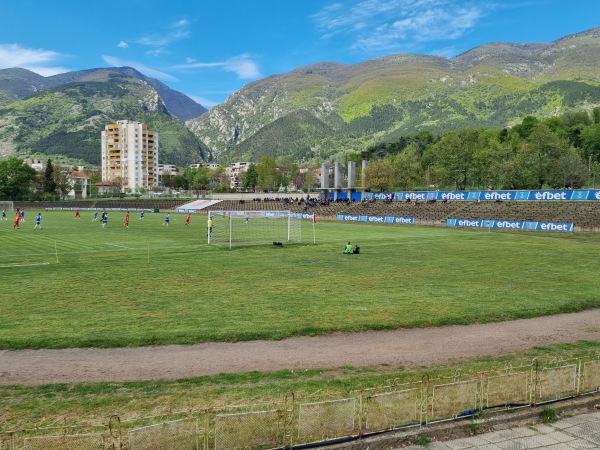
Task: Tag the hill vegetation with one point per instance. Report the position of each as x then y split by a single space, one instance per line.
318 112
65 114
493 86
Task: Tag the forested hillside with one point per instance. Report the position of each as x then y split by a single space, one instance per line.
493 86
68 120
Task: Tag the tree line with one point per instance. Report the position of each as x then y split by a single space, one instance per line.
19 181
556 152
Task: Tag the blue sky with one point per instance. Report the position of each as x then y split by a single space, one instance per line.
208 50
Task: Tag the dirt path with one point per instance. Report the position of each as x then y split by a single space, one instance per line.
410 348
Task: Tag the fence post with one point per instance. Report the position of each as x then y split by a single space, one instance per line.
288 417
424 399
535 381
119 437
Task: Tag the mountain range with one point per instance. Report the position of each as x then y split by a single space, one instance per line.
314 112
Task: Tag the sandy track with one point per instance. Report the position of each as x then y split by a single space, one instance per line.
409 348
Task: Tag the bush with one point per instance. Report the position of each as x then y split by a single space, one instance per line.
548 415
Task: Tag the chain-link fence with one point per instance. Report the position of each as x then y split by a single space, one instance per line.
303 420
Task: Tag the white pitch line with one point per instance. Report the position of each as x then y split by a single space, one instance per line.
24 265
121 246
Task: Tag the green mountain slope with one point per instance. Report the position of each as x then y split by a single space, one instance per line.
67 119
494 85
295 135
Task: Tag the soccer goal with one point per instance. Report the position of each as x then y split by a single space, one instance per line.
7 205
236 228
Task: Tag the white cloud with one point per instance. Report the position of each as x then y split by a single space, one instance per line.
122 44
36 60
176 32
207 103
148 71
389 24
243 66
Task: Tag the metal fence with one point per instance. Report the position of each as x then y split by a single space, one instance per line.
294 420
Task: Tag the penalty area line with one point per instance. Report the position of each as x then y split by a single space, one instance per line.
122 246
3 266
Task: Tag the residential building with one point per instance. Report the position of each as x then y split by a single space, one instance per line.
210 166
130 156
106 187
80 184
235 172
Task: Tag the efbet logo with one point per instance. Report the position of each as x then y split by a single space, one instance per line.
522 195
597 195
580 195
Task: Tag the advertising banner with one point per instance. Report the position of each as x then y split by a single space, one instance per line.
380 219
531 195
511 225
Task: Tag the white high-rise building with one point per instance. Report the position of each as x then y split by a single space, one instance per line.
130 155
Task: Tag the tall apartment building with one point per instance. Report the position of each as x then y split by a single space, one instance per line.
130 155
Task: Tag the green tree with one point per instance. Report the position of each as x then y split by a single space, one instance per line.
544 148
95 177
525 128
380 174
453 153
49 184
569 170
407 167
219 178
590 141
201 178
309 181
16 179
180 182
596 115
62 181
268 177
284 169
250 178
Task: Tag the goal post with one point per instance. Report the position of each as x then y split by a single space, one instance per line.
7 205
241 228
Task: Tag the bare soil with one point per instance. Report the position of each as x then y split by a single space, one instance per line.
404 347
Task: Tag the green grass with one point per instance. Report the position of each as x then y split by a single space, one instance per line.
149 284
26 407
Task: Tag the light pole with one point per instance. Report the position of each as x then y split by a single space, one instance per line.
429 176
590 169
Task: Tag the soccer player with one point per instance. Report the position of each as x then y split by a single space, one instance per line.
95 216
77 216
38 221
187 219
166 222
23 215
141 215
210 225
4 214
17 219
247 218
104 219
127 219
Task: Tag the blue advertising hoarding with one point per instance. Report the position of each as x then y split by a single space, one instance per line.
525 195
512 225
376 219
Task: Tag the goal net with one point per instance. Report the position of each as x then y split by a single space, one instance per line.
236 228
7 205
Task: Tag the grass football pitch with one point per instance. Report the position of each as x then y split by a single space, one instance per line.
75 284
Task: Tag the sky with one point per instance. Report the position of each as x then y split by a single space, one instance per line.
209 50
